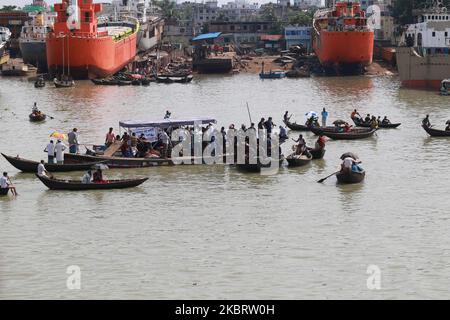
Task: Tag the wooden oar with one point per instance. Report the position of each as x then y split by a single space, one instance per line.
322 180
12 185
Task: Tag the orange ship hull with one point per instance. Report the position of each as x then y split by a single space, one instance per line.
344 49
89 57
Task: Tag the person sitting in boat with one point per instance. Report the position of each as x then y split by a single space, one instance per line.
35 108
168 114
347 127
5 183
367 119
447 128
374 123
426 121
385 121
110 138
312 122
86 179
320 143
41 170
355 115
98 176
125 148
283 135
286 116
301 145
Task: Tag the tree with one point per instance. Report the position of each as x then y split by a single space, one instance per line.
8 8
168 9
300 18
403 9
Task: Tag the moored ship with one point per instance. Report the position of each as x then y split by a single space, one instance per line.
32 41
424 59
5 36
87 48
342 40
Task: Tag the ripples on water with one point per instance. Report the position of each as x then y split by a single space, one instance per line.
212 232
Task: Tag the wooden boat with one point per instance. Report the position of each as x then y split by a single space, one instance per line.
98 81
25 165
73 185
435 132
116 162
40 83
145 82
296 127
161 79
124 82
353 135
350 177
361 124
298 161
4 191
276 74
37 117
256 167
333 129
445 87
136 82
63 83
317 153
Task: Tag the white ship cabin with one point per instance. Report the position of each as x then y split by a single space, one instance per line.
431 34
40 25
135 8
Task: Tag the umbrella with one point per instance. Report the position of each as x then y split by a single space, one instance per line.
100 166
311 114
349 154
339 122
59 135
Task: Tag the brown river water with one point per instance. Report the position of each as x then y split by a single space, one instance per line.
211 232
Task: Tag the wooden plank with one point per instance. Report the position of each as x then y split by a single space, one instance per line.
112 149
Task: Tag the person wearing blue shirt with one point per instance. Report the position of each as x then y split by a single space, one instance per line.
324 117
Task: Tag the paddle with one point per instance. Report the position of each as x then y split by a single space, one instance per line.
12 185
322 180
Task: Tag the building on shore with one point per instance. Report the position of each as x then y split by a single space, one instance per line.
305 4
298 35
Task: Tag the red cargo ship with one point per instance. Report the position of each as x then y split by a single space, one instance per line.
342 39
83 48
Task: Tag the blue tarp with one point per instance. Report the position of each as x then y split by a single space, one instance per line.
207 36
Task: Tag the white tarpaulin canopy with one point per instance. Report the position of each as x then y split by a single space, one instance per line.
165 123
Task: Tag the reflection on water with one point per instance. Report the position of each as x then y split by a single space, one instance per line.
234 234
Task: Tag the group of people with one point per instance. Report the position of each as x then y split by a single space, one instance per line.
426 122
35 111
371 120
312 120
302 149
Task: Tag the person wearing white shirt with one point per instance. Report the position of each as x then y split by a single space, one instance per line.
87 177
5 183
59 150
50 149
41 171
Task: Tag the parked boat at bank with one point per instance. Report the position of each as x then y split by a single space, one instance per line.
342 40
424 59
32 41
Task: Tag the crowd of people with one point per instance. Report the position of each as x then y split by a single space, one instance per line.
371 120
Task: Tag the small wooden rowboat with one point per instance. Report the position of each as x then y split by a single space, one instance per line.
256 167
31 166
333 129
361 124
298 161
296 127
435 132
350 177
352 135
73 185
4 191
37 117
63 83
317 153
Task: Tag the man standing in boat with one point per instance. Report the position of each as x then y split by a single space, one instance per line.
59 151
50 149
426 121
73 141
324 117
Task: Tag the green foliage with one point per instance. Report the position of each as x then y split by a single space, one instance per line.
301 18
168 9
403 9
9 8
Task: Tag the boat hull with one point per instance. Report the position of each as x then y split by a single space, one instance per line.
56 184
417 72
435 132
88 58
344 51
350 177
34 53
